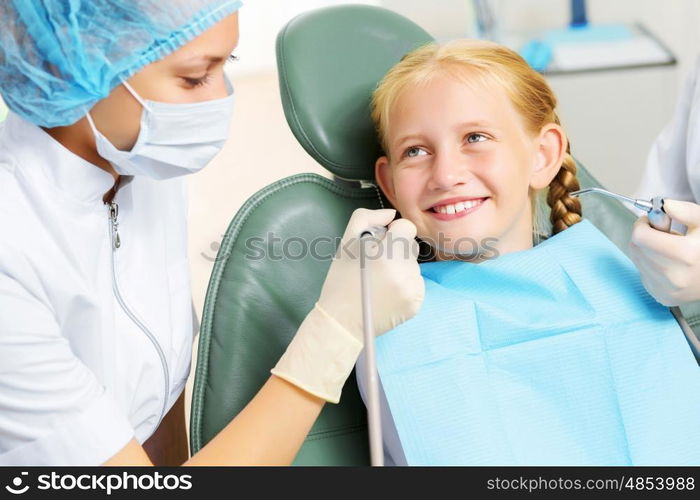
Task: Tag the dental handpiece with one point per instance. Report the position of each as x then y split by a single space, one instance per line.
658 218
376 232
374 419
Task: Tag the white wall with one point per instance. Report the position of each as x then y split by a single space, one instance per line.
444 19
675 22
261 20
612 117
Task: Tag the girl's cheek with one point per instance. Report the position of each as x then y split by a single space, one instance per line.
409 184
408 201
402 189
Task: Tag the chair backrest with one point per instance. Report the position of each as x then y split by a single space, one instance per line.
277 249
263 284
260 290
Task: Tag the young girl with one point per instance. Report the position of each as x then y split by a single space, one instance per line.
525 358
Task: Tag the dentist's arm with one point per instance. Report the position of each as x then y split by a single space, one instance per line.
272 427
268 431
669 263
666 171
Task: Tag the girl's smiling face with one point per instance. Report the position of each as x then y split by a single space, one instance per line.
462 165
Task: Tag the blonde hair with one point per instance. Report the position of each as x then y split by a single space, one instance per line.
490 64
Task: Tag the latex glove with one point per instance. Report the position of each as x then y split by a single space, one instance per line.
669 263
323 352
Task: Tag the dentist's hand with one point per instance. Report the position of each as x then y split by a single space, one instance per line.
322 354
669 263
396 282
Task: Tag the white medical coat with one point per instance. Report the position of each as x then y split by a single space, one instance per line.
673 166
78 376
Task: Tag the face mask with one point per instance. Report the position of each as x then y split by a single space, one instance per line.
175 139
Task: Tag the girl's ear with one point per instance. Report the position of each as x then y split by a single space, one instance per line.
551 150
385 178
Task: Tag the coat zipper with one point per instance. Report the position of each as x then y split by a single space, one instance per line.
116 243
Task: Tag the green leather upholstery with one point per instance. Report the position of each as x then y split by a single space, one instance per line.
255 304
329 62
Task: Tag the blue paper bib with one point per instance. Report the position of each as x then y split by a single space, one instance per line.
550 356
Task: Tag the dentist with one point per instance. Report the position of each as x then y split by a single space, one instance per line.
670 263
112 103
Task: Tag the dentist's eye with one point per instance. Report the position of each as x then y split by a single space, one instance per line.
474 138
196 82
232 58
414 151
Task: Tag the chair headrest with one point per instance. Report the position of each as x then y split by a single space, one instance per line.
330 61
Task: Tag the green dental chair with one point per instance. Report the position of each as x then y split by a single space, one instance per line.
329 61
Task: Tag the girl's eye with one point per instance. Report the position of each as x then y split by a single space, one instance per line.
474 138
232 58
414 151
196 82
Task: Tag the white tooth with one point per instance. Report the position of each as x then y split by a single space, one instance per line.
450 209
441 209
459 206
470 203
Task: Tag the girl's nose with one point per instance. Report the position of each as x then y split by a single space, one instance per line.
447 171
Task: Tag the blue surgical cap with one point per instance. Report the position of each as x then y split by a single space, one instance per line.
59 57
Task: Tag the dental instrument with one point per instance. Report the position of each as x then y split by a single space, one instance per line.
658 218
373 403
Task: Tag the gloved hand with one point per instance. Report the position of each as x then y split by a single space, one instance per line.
669 263
323 352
